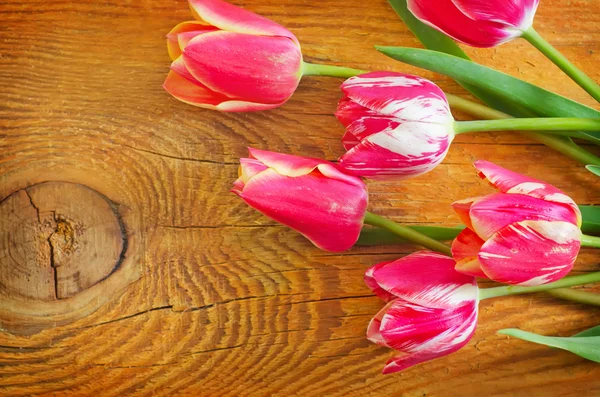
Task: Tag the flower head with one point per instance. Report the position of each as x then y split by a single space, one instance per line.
309 195
231 59
397 125
527 234
431 310
478 23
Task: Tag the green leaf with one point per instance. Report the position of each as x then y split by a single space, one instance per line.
594 169
594 331
585 346
539 100
591 219
437 41
376 236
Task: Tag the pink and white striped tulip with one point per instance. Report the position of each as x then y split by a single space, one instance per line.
231 59
397 125
431 310
528 234
478 23
312 196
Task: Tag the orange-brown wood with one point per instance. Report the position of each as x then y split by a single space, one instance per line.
215 299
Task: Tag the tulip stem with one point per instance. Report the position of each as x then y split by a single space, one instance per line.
314 69
563 63
560 144
572 281
550 124
590 241
576 295
406 233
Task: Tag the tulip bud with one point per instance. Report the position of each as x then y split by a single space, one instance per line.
431 310
309 195
475 22
528 234
397 125
232 60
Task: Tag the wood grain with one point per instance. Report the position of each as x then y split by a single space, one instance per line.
218 300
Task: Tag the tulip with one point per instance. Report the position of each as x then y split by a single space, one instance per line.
527 234
475 22
431 310
312 196
397 125
230 59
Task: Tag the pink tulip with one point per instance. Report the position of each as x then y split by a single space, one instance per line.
397 125
431 310
528 234
309 195
231 59
478 23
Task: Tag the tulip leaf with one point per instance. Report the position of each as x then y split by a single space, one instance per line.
376 236
594 331
586 346
437 41
591 219
512 89
594 169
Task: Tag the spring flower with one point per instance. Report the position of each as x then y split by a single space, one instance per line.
527 234
309 195
431 310
397 125
231 59
475 22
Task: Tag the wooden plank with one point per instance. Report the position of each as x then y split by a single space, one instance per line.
221 301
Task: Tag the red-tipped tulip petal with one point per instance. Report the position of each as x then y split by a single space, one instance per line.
403 96
465 251
190 29
478 23
495 211
511 182
226 16
531 252
191 93
409 150
516 13
267 74
425 278
374 286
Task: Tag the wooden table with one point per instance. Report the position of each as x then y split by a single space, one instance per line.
128 268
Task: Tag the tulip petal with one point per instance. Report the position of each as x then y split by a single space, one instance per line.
371 282
449 19
425 278
531 252
191 93
465 251
349 111
369 125
269 73
328 212
286 164
250 168
448 341
515 13
191 29
463 208
226 16
513 183
414 98
492 213
409 150
374 327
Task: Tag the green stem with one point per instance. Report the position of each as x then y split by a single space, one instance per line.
560 144
528 124
575 295
590 241
562 283
407 233
563 63
313 69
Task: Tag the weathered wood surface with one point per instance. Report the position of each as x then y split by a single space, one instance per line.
219 301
